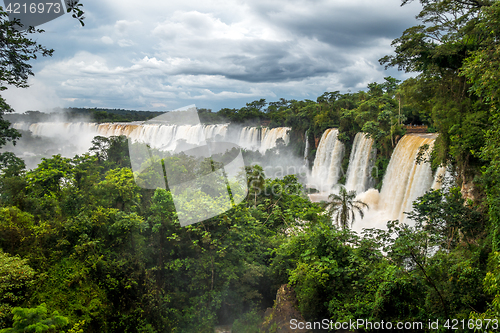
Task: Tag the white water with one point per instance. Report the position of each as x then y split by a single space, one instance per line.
167 137
404 182
160 136
269 137
327 163
78 135
440 178
361 161
57 129
249 138
306 151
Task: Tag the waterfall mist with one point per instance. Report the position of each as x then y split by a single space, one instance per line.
261 145
405 180
55 135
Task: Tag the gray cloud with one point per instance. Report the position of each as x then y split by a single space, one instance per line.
160 55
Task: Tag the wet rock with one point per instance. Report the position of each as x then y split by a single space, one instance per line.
277 319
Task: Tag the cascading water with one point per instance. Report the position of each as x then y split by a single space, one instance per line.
269 137
404 181
250 138
327 163
439 178
306 151
58 129
361 161
167 137
160 136
262 138
50 138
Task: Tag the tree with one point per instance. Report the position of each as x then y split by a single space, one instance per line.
481 71
255 181
15 276
345 207
16 51
437 49
35 320
442 41
119 189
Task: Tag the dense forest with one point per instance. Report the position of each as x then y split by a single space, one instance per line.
97 115
83 248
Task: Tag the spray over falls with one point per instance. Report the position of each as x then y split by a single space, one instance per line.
160 136
404 181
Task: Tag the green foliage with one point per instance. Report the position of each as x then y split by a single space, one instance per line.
439 48
432 258
344 207
112 257
492 286
35 320
248 323
11 165
442 41
118 189
14 65
331 278
481 70
15 277
17 228
111 152
449 217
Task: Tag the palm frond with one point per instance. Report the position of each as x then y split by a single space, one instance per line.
344 207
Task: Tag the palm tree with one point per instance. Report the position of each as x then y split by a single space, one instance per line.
344 207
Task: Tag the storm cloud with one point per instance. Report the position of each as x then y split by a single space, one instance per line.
164 55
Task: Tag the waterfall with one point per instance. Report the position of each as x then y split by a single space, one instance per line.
160 136
439 178
164 136
405 180
249 138
58 129
361 161
327 163
269 137
262 138
21 126
306 151
116 129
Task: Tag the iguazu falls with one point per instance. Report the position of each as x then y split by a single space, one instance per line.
250 166
405 179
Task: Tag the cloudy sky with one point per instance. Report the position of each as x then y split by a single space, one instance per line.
162 55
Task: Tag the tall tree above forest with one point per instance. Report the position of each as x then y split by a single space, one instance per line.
437 49
442 41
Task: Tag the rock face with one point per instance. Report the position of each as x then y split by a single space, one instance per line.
277 319
469 190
